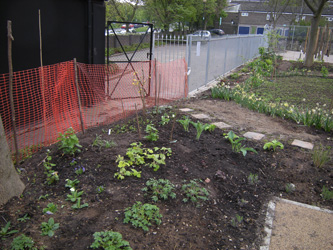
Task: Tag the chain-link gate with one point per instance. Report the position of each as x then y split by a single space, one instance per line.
133 60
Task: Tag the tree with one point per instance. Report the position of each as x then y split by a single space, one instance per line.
10 183
275 9
316 6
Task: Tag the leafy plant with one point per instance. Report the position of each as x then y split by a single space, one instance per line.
152 133
273 144
110 240
165 119
237 220
100 189
236 145
80 170
24 218
200 128
185 122
78 204
142 215
324 71
50 209
23 242
51 175
194 193
98 142
160 189
252 179
69 143
290 187
71 184
49 227
326 194
210 127
321 155
43 197
74 195
4 232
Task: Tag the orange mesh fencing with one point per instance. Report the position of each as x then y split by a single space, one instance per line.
46 100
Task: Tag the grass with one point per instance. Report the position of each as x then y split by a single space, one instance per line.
301 91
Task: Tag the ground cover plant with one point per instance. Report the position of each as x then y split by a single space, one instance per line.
233 190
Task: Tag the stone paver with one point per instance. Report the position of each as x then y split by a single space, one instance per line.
201 116
302 144
186 110
221 125
254 135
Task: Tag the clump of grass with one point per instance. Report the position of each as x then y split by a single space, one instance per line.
321 155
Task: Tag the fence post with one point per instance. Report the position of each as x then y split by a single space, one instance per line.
10 65
207 62
78 94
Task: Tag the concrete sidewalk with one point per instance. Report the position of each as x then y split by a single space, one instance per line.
297 226
295 55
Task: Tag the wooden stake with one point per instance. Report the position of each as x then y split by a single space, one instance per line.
173 124
10 66
159 90
78 95
137 120
155 82
122 105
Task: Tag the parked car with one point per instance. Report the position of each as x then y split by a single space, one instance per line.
201 35
217 32
130 26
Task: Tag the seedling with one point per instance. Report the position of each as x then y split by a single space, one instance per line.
80 170
4 232
326 194
23 242
74 195
24 218
69 143
200 128
98 142
194 193
237 220
49 227
71 184
236 145
78 205
273 144
51 175
290 187
252 179
152 133
160 189
50 209
100 189
185 122
142 215
110 240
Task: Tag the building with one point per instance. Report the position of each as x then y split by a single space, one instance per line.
69 28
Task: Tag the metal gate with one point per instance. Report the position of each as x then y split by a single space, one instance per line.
134 56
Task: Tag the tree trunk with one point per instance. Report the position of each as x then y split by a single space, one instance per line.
312 44
10 183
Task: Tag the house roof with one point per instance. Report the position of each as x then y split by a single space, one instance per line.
260 6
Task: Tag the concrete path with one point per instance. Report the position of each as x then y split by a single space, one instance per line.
295 55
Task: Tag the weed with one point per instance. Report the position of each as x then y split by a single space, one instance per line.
185 122
321 155
290 187
50 209
237 220
252 179
152 133
49 227
23 242
324 71
51 175
110 240
142 215
43 197
273 144
69 143
160 189
326 194
98 142
24 218
100 189
194 193
4 232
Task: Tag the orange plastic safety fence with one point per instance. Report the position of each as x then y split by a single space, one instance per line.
46 100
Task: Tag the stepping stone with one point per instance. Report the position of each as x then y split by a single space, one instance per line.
186 110
221 125
201 116
254 136
302 144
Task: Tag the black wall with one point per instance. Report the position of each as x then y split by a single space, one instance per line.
70 28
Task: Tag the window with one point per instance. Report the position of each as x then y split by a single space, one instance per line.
268 17
245 14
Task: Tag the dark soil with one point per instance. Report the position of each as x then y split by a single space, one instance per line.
184 225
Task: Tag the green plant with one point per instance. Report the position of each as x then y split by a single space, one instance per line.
23 242
110 240
185 122
43 197
152 133
100 189
80 170
71 184
210 127
98 142
24 218
290 187
50 209
273 144
4 232
51 175
324 71
236 145
160 189
252 179
194 193
237 220
200 128
142 215
165 119
234 75
49 227
326 194
69 143
78 204
321 155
